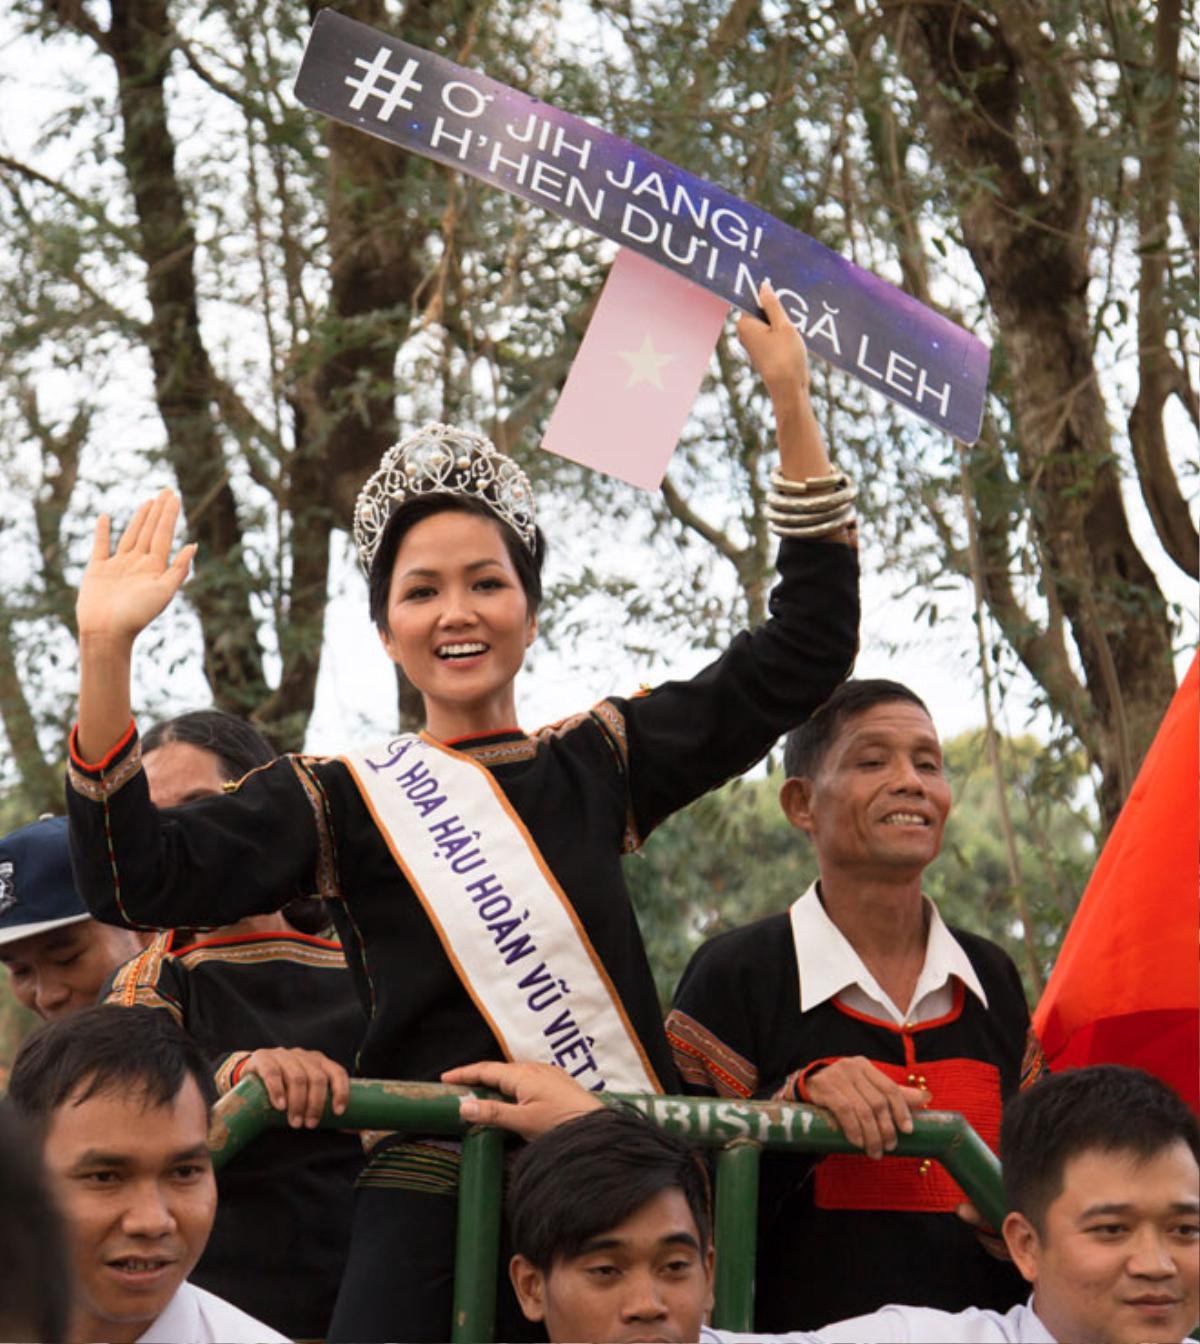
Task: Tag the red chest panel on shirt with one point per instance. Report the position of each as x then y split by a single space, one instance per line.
914 1184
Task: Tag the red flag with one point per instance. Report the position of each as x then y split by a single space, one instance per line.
1126 986
637 372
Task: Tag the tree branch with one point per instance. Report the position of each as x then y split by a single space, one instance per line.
248 429
140 45
72 14
60 459
91 209
1158 111
683 511
41 783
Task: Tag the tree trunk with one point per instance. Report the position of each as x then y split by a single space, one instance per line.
139 42
1028 241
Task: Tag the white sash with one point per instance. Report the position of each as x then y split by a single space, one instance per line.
509 931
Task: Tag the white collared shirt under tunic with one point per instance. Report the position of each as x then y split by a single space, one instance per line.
830 968
194 1316
912 1325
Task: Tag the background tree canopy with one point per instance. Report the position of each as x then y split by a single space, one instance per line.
199 277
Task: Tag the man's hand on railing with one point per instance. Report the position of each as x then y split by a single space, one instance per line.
544 1096
298 1082
869 1108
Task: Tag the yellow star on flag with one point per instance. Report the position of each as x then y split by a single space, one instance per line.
646 364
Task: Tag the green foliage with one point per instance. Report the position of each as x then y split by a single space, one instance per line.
325 291
727 860
1056 839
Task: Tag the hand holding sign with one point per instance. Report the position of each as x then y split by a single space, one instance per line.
777 351
775 347
461 118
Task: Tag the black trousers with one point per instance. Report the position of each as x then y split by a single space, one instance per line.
399 1279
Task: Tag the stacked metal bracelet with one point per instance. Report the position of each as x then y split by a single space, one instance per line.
814 507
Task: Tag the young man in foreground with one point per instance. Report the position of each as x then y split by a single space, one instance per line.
611 1226
119 1099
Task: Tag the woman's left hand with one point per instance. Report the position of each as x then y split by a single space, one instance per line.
777 351
775 347
543 1096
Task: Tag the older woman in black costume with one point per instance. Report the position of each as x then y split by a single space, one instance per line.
268 995
474 870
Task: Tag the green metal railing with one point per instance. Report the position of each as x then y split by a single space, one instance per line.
738 1130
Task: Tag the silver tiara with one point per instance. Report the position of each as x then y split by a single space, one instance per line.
439 459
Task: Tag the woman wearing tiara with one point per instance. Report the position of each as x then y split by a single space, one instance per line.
474 870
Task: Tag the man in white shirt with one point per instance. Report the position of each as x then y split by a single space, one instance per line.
119 1099
611 1225
859 998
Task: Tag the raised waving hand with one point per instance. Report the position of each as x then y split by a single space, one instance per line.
121 592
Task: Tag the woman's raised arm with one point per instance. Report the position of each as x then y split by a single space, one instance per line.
776 350
120 594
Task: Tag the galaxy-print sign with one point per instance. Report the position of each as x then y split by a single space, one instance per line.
860 323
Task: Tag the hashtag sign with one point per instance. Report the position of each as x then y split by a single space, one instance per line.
373 72
474 124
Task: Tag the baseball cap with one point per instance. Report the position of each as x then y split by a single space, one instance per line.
37 890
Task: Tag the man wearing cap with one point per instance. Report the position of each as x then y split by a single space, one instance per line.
57 955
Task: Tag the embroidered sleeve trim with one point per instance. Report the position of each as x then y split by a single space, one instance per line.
1033 1065
705 1061
611 722
99 790
327 865
607 717
327 883
137 982
229 1072
560 727
125 982
235 785
142 970
147 996
106 760
428 1167
263 951
795 1085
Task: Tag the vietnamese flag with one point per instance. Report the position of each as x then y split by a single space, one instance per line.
1124 989
637 372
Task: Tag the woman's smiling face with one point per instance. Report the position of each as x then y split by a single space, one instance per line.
458 622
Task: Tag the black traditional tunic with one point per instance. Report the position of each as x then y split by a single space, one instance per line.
282 1232
588 790
845 1235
